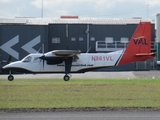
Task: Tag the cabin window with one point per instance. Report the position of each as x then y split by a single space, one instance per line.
27 59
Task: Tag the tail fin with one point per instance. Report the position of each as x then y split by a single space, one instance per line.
139 47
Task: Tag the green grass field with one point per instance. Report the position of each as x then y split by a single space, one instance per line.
55 93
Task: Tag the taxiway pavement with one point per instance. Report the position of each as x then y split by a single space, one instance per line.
127 75
96 115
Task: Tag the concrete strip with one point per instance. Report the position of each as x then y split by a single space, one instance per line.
85 75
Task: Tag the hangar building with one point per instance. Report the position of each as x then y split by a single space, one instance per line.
21 36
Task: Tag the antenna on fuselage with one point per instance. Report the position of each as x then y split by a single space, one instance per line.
43 56
88 50
39 50
43 48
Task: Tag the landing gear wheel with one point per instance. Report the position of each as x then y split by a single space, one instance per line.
10 78
66 78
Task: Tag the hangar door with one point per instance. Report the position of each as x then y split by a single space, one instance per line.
57 37
67 37
77 37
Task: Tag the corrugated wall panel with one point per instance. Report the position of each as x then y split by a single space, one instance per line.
153 36
78 32
0 42
115 31
55 32
22 40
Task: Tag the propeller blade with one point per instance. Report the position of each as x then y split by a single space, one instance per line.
43 58
43 49
43 55
43 64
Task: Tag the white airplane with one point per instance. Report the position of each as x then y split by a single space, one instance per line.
73 61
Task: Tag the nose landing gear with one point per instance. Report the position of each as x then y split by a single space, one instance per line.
10 77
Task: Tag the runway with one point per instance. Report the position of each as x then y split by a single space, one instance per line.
110 75
100 115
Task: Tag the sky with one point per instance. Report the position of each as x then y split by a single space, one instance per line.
81 8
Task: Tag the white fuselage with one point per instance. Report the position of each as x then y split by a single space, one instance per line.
85 62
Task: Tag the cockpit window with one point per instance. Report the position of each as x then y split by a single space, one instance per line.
27 59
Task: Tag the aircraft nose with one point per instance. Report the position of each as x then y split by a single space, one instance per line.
6 66
10 65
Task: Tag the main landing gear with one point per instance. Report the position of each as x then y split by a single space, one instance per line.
66 77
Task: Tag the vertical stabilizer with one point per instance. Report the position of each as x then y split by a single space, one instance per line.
139 47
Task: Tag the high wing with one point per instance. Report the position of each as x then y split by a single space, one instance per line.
59 56
66 52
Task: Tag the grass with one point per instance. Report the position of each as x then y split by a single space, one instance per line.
49 93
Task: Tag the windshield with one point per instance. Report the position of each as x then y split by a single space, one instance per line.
27 59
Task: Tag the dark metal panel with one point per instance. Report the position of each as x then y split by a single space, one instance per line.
57 31
153 36
0 42
115 31
19 35
78 31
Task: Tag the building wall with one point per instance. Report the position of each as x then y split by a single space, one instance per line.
100 32
67 36
84 36
20 40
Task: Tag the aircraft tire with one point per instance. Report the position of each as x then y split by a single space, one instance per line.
66 78
10 77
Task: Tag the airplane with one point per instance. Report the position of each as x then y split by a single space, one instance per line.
73 61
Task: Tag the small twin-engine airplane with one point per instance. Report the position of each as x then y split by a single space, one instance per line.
73 61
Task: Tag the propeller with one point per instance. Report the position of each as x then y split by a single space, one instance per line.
43 56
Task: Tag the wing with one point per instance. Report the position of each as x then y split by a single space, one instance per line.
66 52
59 56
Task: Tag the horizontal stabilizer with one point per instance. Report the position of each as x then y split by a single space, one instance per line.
145 54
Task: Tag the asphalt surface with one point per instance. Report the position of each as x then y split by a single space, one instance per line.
101 115
130 74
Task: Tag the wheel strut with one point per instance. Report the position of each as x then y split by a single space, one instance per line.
10 77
